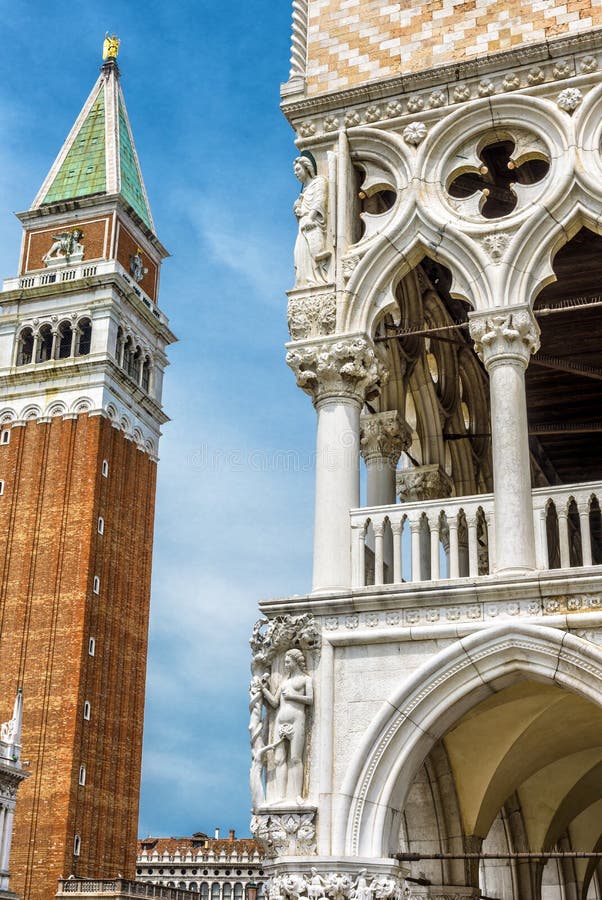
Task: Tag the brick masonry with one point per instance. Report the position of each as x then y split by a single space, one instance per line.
50 551
352 42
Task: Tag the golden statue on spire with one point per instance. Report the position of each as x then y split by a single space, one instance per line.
110 47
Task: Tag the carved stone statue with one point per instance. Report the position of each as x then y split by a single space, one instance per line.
110 47
137 268
290 701
66 248
311 257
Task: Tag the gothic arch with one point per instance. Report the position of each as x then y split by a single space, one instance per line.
435 697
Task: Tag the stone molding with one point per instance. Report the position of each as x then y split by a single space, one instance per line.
287 833
423 483
346 368
311 313
120 418
383 437
507 336
524 67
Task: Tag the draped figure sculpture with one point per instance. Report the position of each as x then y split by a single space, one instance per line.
291 702
311 257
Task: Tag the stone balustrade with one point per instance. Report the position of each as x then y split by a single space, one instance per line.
77 272
450 538
120 887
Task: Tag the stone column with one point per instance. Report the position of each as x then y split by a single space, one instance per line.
383 436
338 374
505 342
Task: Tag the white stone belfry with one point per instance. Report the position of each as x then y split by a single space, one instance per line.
11 776
425 723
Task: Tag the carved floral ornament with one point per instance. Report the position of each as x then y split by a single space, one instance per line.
383 436
286 834
344 368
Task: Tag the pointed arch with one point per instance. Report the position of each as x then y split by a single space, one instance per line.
425 707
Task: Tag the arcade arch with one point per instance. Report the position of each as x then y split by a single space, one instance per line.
497 740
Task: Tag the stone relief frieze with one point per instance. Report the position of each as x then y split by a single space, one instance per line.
466 612
319 885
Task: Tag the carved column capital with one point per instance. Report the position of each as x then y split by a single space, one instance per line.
423 483
511 335
347 367
383 436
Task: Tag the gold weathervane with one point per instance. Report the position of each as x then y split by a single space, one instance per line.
110 47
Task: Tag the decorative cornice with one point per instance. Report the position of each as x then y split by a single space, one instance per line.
453 73
346 368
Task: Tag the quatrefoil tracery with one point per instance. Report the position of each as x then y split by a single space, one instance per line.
499 177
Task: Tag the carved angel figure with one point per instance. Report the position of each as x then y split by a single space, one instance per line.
66 244
110 47
290 701
311 256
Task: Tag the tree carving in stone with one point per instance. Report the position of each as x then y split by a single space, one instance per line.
347 367
311 316
312 259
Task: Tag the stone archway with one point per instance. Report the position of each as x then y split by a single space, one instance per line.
436 697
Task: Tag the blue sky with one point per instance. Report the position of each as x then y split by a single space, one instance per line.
235 492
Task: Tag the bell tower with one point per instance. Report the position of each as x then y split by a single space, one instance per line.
82 355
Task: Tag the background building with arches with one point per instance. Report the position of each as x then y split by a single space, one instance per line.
445 320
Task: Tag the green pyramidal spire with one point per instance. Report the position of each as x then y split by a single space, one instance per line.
99 156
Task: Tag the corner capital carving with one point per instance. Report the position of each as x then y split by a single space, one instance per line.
347 367
510 336
289 833
423 483
383 436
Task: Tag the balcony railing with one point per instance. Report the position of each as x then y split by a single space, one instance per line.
76 272
435 540
121 887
